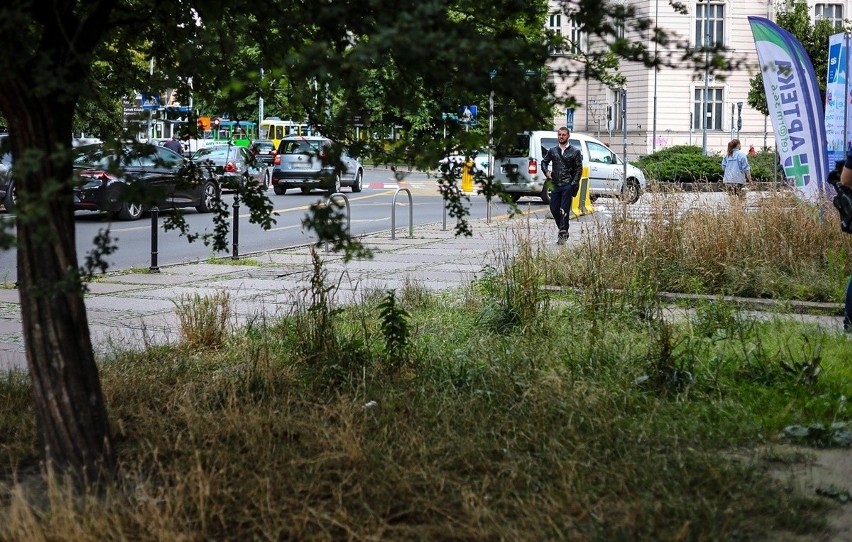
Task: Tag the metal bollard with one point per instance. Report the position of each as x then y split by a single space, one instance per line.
235 252
444 227
155 214
410 213
328 201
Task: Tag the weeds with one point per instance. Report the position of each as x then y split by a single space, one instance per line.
204 322
778 247
394 321
514 295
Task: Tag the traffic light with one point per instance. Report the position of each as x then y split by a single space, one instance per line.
739 116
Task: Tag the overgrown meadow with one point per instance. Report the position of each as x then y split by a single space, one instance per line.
556 398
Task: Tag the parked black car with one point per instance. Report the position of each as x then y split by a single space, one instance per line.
131 182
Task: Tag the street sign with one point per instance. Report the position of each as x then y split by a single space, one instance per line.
467 115
150 102
569 118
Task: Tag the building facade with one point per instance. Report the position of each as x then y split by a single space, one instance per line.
664 107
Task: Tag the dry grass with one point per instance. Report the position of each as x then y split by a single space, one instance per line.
587 417
777 246
204 322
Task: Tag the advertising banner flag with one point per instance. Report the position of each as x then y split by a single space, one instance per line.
837 125
795 107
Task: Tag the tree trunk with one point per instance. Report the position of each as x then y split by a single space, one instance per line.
70 413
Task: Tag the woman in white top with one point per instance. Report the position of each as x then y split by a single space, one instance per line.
737 170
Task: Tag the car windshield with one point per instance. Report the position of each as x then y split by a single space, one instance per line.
264 145
519 147
88 154
301 146
212 153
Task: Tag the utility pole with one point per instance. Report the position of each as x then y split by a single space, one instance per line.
260 102
150 111
706 76
491 75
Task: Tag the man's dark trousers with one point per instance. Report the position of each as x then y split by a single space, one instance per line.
560 204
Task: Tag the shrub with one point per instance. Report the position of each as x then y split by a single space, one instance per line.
687 164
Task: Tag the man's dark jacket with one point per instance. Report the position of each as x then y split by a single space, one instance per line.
567 166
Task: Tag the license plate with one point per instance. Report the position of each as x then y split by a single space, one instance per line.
509 169
300 165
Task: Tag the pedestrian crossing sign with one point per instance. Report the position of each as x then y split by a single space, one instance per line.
467 114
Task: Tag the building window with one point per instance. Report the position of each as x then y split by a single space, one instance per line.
832 12
619 28
618 31
709 24
614 110
555 25
714 111
577 44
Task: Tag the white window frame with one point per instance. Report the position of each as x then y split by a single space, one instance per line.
578 40
715 102
831 11
712 23
554 24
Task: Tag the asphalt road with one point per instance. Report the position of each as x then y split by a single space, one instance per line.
372 210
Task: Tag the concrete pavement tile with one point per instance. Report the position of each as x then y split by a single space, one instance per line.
13 360
101 287
130 304
11 326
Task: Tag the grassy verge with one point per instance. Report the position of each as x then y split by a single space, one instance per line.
502 412
775 246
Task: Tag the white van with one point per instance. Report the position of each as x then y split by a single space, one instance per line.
520 173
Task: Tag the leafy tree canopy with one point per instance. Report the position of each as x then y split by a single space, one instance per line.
796 19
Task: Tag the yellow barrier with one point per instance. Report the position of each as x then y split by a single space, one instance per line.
581 204
467 178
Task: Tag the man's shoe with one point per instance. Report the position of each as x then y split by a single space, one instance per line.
563 237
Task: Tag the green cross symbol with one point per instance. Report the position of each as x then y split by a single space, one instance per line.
798 171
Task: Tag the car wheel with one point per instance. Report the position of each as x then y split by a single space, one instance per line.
305 190
130 211
11 200
456 171
545 195
210 193
631 191
267 180
279 190
515 196
357 185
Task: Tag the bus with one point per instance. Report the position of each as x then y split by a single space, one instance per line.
275 129
239 132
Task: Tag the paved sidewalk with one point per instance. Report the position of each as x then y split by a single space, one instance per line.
137 309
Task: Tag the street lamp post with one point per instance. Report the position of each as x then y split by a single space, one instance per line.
706 77
260 103
491 75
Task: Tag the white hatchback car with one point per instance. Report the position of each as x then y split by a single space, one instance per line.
520 173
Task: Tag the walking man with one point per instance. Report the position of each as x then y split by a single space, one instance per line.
843 203
565 174
174 144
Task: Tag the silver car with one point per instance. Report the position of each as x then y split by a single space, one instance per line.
231 165
308 163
